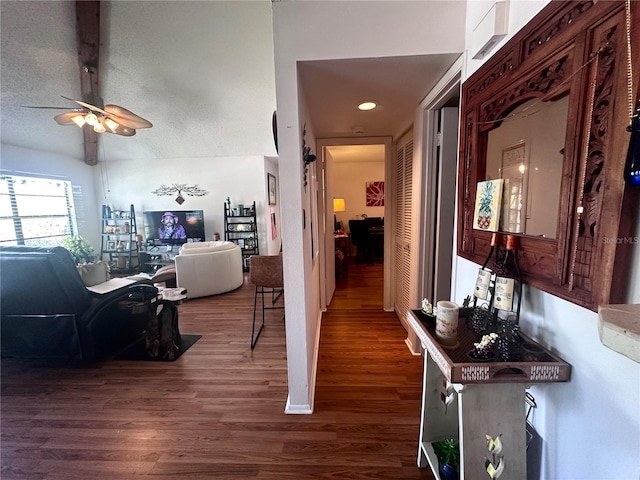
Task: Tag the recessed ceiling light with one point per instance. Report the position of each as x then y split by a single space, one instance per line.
367 106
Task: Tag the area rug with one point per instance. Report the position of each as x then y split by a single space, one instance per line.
137 351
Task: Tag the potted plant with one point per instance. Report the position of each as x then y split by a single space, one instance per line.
80 249
448 453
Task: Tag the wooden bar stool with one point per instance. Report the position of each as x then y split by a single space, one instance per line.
266 274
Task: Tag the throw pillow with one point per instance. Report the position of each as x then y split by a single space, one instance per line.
94 273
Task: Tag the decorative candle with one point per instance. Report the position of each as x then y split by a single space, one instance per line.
447 323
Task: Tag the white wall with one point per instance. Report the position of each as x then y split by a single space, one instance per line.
520 12
122 183
243 179
22 161
590 426
357 30
349 182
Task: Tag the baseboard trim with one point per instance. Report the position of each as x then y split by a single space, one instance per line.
411 349
297 409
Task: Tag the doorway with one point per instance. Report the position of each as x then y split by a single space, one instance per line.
346 156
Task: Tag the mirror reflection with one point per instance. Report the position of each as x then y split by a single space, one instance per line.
526 150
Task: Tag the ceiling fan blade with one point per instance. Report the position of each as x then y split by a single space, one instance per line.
53 108
65 118
127 117
87 105
123 131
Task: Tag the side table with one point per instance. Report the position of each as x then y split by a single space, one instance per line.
472 401
162 336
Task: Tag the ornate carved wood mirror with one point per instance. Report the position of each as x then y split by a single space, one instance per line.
549 113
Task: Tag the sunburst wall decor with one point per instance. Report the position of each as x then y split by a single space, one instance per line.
193 191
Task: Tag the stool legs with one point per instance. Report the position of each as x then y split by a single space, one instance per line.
275 295
254 337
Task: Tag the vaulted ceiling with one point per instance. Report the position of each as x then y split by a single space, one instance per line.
174 64
162 60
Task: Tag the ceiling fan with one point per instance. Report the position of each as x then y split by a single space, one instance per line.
102 118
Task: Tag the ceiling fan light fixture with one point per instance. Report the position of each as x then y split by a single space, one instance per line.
112 124
365 106
91 119
99 128
79 120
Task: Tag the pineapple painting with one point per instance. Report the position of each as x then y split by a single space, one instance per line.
488 200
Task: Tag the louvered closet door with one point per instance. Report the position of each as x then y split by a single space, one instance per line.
403 220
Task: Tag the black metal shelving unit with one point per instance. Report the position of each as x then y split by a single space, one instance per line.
241 228
118 243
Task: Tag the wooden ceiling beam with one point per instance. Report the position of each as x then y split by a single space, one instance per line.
88 42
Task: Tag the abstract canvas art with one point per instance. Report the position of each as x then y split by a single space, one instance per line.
375 194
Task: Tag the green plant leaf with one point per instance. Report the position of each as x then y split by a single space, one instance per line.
80 249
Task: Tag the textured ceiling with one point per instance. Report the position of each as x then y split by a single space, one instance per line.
182 65
201 72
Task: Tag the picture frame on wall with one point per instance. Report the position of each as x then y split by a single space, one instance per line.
488 205
271 188
374 194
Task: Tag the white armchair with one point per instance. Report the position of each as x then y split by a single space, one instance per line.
209 268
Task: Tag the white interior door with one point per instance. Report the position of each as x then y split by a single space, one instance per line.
328 277
446 199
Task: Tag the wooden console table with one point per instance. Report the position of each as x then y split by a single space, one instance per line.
469 401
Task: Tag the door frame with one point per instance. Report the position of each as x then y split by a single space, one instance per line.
428 118
327 287
425 144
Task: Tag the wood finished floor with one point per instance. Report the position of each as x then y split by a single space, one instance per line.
217 412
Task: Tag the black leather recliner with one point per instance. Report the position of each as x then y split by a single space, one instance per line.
47 312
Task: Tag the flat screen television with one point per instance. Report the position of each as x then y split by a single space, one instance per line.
173 227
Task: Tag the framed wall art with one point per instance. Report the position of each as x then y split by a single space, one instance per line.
488 202
375 194
271 188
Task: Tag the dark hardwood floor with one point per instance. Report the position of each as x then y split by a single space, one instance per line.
218 411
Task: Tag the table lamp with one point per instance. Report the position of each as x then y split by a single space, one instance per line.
338 206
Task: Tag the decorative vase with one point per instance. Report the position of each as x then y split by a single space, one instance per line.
447 323
447 472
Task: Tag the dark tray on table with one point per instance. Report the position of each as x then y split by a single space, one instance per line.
539 366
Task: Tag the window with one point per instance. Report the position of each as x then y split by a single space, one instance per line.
34 211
